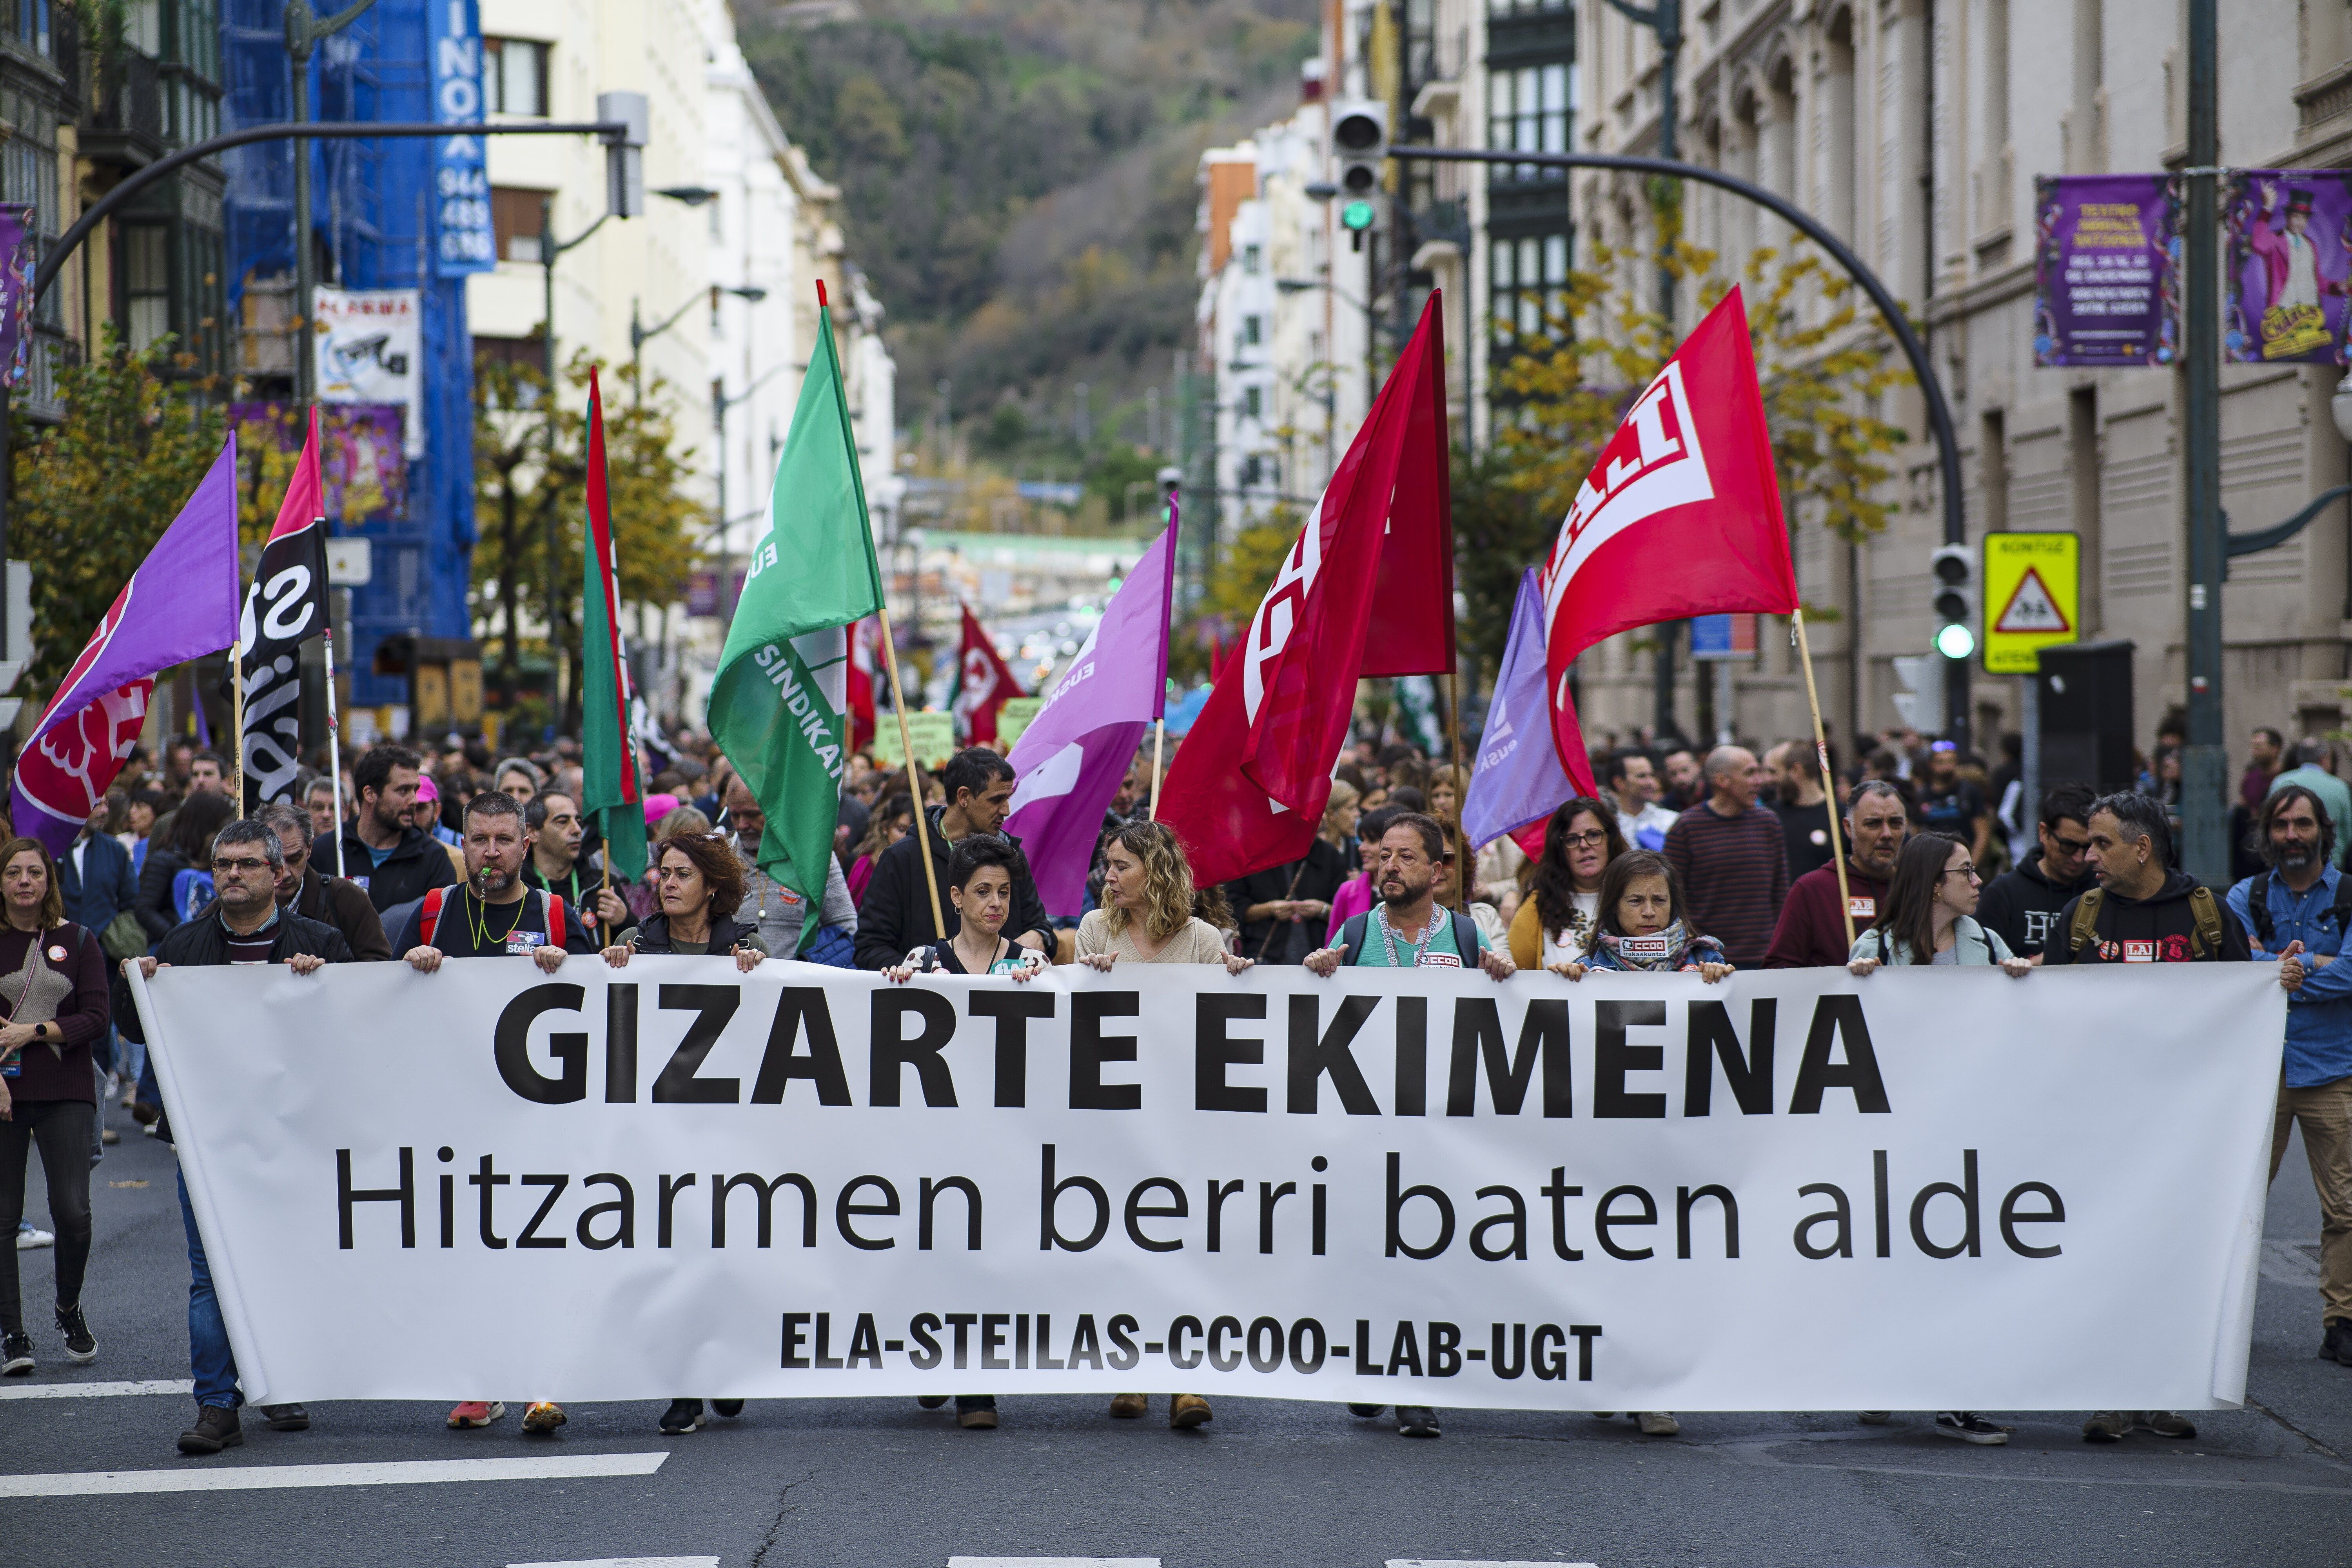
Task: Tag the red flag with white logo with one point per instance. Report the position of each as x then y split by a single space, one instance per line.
1249 788
1679 517
986 684
864 648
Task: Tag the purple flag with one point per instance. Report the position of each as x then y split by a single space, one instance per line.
181 604
1075 750
1518 778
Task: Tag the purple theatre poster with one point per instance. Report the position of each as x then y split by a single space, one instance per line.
17 262
2105 268
2290 254
360 462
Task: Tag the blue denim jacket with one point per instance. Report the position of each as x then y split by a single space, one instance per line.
2318 1016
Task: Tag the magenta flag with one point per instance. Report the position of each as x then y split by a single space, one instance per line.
181 604
1070 759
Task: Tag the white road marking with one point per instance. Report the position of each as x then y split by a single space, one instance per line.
91 1390
627 1563
1473 1563
252 1477
1053 1562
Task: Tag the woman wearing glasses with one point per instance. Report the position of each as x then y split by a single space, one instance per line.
1554 926
1930 916
700 884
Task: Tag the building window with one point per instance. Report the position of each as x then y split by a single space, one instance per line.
516 218
1528 109
146 283
27 22
1253 405
1523 7
1252 470
1530 279
1253 257
514 77
1252 331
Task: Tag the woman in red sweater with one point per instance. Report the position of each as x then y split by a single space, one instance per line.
53 1004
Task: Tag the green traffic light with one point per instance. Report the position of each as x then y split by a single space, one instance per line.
1357 216
1954 640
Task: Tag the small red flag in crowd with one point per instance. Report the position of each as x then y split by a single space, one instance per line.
986 683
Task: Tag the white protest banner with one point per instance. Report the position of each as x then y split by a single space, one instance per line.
1927 1189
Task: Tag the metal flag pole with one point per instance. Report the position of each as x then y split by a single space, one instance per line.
1167 630
334 728
1829 781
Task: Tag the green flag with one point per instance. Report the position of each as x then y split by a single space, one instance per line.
778 703
611 797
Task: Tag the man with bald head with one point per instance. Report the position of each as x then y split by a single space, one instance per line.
1727 851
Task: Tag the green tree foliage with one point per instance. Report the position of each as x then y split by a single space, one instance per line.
93 493
533 509
1017 175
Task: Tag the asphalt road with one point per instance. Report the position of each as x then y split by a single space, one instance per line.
862 1483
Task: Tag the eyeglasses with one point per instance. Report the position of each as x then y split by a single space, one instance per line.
2070 846
1960 871
224 868
1591 838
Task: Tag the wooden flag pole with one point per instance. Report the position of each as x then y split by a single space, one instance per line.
1829 780
914 769
1461 784
1159 734
237 725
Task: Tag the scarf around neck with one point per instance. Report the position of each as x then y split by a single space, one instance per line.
1663 949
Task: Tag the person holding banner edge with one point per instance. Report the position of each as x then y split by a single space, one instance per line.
243 925
892 921
1406 930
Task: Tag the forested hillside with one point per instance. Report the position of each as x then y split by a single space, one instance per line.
1018 181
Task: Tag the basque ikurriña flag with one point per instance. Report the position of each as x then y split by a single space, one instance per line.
285 607
1679 517
181 604
608 755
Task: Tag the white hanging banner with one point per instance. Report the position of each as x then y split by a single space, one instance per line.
1391 1187
368 353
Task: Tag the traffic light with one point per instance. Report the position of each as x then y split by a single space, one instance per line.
1956 601
1359 146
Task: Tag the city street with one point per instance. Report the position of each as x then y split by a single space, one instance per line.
92 1477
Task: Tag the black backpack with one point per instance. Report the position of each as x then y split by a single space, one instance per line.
2258 908
1465 937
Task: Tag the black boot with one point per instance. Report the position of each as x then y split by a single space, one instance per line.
2337 1346
216 1428
286 1417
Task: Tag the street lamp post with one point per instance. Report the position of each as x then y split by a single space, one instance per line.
720 403
1931 391
303 31
639 333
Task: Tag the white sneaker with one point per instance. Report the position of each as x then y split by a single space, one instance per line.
1657 1423
27 1238
1970 1428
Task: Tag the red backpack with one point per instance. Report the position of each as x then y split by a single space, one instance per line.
428 916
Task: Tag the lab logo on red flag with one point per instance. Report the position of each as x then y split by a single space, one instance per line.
1679 517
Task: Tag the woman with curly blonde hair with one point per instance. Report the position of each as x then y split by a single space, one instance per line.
1148 917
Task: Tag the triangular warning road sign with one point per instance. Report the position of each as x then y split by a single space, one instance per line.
2031 609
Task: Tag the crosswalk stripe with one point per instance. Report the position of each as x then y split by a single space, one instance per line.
254 1477
627 1563
1473 1563
1053 1562
92 1389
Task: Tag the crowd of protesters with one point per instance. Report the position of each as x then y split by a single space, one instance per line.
1700 861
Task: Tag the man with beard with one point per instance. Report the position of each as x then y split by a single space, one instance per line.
1812 933
1407 930
390 860
2021 906
494 914
2298 910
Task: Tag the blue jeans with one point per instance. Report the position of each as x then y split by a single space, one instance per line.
209 1356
